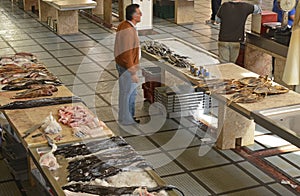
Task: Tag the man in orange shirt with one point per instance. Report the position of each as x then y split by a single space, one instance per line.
127 56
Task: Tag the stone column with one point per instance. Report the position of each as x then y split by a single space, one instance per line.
122 6
108 12
98 10
28 4
184 11
45 10
233 129
67 22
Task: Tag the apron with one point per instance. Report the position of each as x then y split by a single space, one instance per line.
291 74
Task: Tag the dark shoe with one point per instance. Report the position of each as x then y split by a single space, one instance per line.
209 22
136 120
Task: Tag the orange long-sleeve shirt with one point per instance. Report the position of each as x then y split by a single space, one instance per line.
126 49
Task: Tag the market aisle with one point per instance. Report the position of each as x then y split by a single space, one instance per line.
84 62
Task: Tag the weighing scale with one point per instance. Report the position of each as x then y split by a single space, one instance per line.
286 6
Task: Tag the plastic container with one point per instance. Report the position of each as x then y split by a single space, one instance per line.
152 74
148 93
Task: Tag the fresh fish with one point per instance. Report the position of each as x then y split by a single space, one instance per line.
92 147
39 91
27 84
40 102
115 191
99 170
164 52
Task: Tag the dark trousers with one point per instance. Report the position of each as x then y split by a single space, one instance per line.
215 5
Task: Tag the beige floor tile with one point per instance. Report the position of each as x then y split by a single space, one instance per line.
187 184
211 159
225 178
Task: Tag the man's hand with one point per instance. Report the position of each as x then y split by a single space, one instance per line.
134 78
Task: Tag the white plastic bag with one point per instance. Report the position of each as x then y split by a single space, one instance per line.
49 160
50 125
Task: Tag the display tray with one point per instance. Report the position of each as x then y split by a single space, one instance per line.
195 54
58 178
6 96
23 119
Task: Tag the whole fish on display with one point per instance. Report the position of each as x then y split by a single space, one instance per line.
93 167
38 91
28 84
117 191
163 51
101 159
91 147
40 102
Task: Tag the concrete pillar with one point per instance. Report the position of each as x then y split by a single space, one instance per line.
122 6
146 6
45 10
67 22
184 11
98 10
28 4
108 12
233 129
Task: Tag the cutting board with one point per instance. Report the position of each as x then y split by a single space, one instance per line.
6 96
23 119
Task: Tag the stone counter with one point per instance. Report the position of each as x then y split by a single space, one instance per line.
259 52
232 71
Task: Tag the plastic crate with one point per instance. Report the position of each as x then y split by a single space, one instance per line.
148 93
152 74
183 100
152 85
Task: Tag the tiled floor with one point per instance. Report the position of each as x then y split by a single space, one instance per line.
84 62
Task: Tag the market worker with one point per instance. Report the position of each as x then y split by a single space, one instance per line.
232 15
291 14
127 55
291 74
215 5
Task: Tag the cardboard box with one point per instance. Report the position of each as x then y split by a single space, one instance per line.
259 19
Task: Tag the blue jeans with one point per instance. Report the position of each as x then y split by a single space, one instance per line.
127 95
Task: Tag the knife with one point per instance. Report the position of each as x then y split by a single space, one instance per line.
32 129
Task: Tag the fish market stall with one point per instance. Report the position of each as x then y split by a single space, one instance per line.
107 166
42 112
235 120
161 52
22 120
22 76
